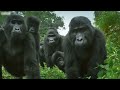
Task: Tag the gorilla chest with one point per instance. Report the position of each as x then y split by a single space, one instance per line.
13 50
14 59
83 54
14 64
51 50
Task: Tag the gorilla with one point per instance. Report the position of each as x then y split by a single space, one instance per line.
33 24
52 43
41 55
19 50
58 60
84 49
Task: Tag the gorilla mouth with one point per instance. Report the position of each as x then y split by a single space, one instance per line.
32 31
80 45
16 32
51 43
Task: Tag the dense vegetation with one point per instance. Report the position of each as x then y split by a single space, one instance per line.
109 22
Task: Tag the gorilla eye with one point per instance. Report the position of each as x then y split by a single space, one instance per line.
16 21
13 21
19 22
51 35
83 29
76 30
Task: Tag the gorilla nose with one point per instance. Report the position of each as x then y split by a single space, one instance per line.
79 39
17 29
51 40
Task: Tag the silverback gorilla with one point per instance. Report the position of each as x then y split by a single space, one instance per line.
52 43
84 48
19 50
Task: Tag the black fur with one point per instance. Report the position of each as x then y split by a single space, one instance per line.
52 43
19 50
84 48
41 55
58 60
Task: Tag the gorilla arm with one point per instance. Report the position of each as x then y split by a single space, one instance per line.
72 73
98 54
30 60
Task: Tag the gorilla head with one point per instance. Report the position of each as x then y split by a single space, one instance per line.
81 32
52 37
33 24
15 25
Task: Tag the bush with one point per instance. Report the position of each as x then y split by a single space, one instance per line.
54 73
112 68
46 73
6 75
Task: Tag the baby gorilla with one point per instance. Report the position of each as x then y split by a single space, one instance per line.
58 60
84 48
33 27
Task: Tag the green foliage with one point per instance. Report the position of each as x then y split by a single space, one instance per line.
54 73
109 22
112 68
6 75
107 18
46 73
2 18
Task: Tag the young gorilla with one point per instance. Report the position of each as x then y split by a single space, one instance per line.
84 48
52 43
58 60
19 50
33 27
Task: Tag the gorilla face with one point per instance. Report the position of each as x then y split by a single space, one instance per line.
33 24
52 37
15 25
60 61
81 33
